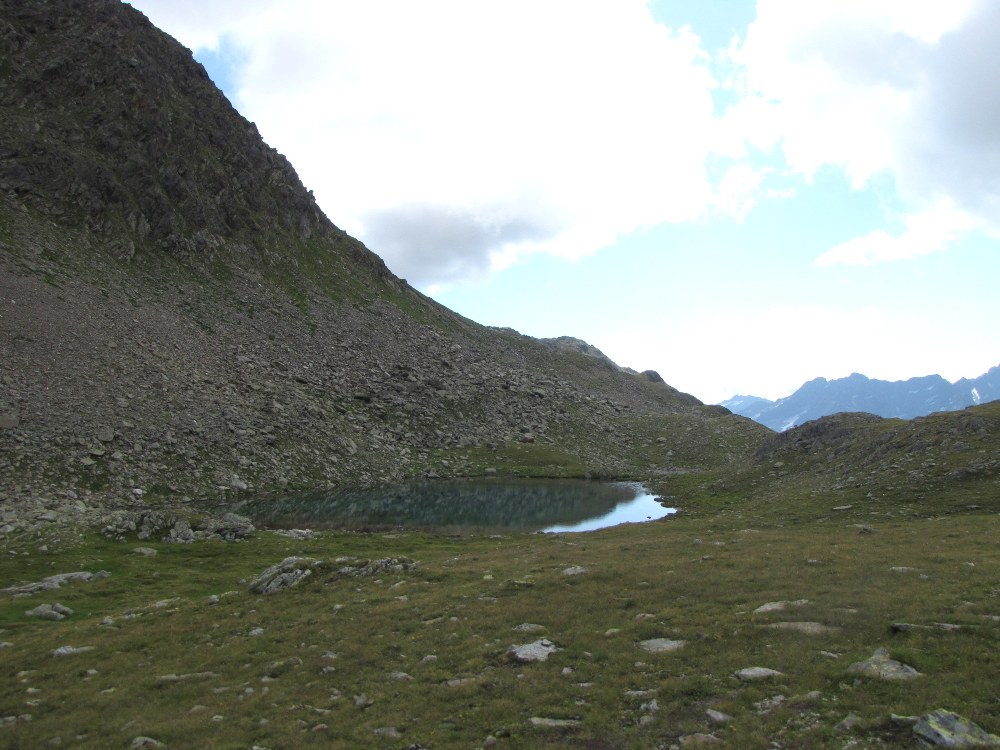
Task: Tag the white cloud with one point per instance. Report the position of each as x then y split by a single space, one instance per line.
925 233
587 119
876 88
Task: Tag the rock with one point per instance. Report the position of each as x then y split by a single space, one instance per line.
144 551
285 574
660 645
9 421
575 570
942 728
531 652
143 742
106 434
717 717
750 674
779 606
847 723
389 732
883 668
71 650
366 568
528 627
809 628
54 582
543 723
49 612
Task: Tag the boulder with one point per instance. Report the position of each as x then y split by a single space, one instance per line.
883 668
942 728
285 574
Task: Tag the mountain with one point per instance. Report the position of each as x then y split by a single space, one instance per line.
905 399
180 318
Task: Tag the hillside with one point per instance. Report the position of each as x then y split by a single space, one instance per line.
180 317
905 399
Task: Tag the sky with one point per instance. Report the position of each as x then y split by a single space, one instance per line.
739 194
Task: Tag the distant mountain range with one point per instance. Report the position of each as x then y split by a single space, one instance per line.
905 399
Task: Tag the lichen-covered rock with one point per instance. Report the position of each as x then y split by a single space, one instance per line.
884 668
942 728
285 574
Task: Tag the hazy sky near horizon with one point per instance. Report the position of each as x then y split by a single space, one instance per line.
739 194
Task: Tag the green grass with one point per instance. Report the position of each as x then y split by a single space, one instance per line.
460 604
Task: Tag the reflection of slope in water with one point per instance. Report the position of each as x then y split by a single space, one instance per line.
477 504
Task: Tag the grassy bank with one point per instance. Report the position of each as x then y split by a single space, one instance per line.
342 661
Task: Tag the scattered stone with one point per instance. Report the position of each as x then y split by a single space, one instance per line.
70 650
54 582
543 723
884 668
367 568
460 681
528 627
902 569
717 717
50 612
142 742
531 652
750 674
942 728
285 574
389 732
300 534
575 570
779 606
280 666
767 705
809 628
847 723
363 701
906 627
660 645
256 632
400 676
144 551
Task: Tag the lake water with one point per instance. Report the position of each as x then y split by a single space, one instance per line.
481 505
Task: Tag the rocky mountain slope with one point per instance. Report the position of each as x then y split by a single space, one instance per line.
177 316
905 399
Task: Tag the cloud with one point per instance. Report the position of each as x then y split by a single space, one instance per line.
598 113
924 233
880 88
435 244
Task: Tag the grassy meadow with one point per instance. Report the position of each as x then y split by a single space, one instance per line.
419 658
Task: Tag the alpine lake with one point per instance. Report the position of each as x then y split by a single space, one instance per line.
472 505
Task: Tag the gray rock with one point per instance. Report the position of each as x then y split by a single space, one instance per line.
144 551
540 722
71 650
882 667
54 582
528 627
750 674
575 570
47 612
660 645
142 742
285 574
779 606
9 421
942 728
531 652
717 717
848 723
699 739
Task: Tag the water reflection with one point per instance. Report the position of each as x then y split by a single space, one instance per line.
522 505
